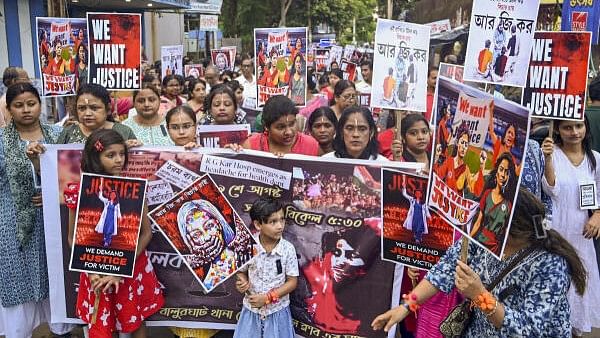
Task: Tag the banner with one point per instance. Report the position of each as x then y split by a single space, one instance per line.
321 57
209 22
412 235
348 52
333 217
581 15
349 70
196 70
171 60
223 58
400 66
439 26
558 73
500 39
475 172
107 224
335 55
63 55
115 50
281 66
197 222
218 136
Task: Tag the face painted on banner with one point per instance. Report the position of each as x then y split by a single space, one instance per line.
222 109
463 145
345 261
298 44
357 134
502 173
25 109
112 159
417 137
182 129
283 131
221 61
91 112
509 136
323 130
147 103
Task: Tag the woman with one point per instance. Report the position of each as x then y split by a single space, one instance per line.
23 269
356 136
92 105
416 138
335 75
81 69
504 144
571 162
221 107
238 90
530 301
151 80
171 94
148 125
197 95
313 100
321 126
298 82
345 96
281 134
495 205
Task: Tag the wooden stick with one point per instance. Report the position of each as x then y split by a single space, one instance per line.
551 129
96 305
464 249
398 114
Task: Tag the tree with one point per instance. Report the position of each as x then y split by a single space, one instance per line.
339 15
398 7
285 6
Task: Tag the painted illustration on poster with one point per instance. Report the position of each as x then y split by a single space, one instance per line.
400 66
63 55
171 60
476 169
218 136
195 70
281 63
115 50
500 40
581 15
223 58
412 235
557 77
107 224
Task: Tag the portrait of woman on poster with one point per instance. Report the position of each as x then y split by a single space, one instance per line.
504 144
418 213
495 204
298 82
111 215
81 65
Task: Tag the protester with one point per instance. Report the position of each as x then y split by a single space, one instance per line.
545 265
148 125
344 97
10 76
181 123
356 136
570 163
333 77
432 75
197 95
592 112
313 100
171 94
105 153
248 81
238 90
23 269
321 126
211 76
366 70
152 80
226 76
416 137
92 105
266 309
221 107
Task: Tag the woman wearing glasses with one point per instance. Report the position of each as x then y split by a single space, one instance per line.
344 97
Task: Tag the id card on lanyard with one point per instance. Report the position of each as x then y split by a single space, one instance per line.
587 195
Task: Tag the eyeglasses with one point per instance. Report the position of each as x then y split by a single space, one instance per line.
349 97
183 127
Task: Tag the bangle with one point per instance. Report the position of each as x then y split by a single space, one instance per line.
268 301
410 302
273 296
491 313
485 302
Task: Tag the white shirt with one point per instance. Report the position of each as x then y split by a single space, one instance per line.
363 87
372 158
250 93
264 277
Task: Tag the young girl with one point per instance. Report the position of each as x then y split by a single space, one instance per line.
111 215
124 302
270 277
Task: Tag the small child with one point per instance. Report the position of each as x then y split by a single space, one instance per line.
124 302
269 278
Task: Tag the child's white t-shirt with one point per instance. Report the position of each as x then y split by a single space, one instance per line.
266 274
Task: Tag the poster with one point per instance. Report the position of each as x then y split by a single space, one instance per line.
558 73
218 136
500 40
198 217
195 70
223 58
349 70
281 66
107 224
335 55
115 50
412 235
581 15
325 206
440 26
171 58
473 162
400 66
321 58
63 55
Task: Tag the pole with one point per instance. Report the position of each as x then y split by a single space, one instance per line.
390 9
309 27
354 30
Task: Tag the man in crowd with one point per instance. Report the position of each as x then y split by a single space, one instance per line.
248 81
366 70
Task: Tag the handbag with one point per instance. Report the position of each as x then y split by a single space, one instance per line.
458 320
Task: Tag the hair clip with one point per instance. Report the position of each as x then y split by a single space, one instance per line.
99 146
541 225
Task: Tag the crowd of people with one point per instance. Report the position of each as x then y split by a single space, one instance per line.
552 291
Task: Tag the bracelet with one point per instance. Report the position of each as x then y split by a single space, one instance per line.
485 302
274 297
491 313
410 302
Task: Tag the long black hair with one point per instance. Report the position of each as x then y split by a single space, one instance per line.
100 139
586 143
407 123
509 189
372 149
325 112
219 89
18 89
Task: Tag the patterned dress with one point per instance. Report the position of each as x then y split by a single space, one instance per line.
73 134
152 136
533 294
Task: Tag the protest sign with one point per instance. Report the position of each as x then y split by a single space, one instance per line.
348 52
107 224
223 58
191 221
557 77
218 136
196 70
581 15
335 55
63 55
171 60
500 39
115 50
327 207
400 66
281 66
159 192
321 57
176 174
349 70
471 163
412 235
439 26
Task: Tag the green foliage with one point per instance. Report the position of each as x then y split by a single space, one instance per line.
338 14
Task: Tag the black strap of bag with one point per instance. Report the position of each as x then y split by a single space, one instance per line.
510 267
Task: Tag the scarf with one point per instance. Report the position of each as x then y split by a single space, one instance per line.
20 180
